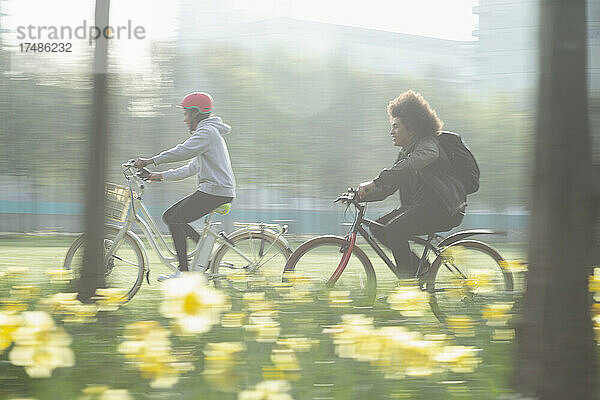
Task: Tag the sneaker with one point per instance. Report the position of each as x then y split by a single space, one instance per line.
162 277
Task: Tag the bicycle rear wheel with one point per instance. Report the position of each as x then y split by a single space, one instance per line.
124 270
467 276
266 253
315 261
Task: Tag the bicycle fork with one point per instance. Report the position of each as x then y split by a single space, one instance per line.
344 261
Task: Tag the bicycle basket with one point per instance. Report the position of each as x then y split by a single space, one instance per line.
117 201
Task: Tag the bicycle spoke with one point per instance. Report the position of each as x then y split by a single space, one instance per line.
317 260
269 266
252 252
470 278
125 265
455 268
125 261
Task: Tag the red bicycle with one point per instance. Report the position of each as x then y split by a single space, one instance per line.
461 275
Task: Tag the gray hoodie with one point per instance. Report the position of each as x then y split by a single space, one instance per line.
209 159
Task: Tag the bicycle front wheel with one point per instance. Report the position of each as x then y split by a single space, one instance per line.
467 276
251 253
316 260
124 269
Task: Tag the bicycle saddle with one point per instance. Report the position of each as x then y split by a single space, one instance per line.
223 209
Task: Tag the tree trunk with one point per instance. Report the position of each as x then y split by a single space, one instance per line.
556 352
92 272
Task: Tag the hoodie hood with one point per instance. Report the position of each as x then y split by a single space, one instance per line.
215 122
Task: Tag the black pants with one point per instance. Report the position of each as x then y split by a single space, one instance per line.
188 209
402 223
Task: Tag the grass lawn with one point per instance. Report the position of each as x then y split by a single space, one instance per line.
327 366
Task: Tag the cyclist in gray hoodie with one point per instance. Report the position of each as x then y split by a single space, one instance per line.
209 161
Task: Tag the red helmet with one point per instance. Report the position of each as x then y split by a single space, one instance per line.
199 100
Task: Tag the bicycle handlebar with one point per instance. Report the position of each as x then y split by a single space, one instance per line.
130 171
348 197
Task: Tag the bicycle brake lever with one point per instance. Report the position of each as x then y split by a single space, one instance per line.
143 174
343 198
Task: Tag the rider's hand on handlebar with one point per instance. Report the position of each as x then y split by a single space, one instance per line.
155 177
364 189
346 197
142 162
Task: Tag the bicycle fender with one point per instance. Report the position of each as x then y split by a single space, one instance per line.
254 229
455 237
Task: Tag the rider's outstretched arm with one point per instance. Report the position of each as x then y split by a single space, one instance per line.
197 144
183 172
378 192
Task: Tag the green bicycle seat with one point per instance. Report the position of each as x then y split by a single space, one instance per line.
223 209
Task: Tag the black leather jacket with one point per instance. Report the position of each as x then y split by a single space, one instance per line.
425 157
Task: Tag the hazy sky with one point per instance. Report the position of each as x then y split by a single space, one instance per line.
448 19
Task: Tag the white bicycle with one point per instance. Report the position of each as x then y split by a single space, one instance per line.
254 248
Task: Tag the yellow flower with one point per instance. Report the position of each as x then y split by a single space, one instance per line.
503 335
67 307
233 320
497 314
395 344
268 390
459 359
101 392
597 328
15 272
222 370
256 301
40 346
411 301
397 351
285 360
264 326
149 347
110 299
60 275
12 305
594 283
339 298
297 279
298 343
193 305
480 281
25 292
356 338
9 322
461 325
95 389
513 265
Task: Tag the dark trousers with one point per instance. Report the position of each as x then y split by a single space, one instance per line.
402 223
179 215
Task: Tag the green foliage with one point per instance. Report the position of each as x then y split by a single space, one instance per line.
309 125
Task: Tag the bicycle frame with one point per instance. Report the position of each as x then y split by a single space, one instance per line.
138 213
357 227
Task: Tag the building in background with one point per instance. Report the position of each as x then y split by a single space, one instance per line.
420 57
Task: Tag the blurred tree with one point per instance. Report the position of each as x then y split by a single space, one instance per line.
93 269
556 356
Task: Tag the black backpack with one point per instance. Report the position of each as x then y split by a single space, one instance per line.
461 158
